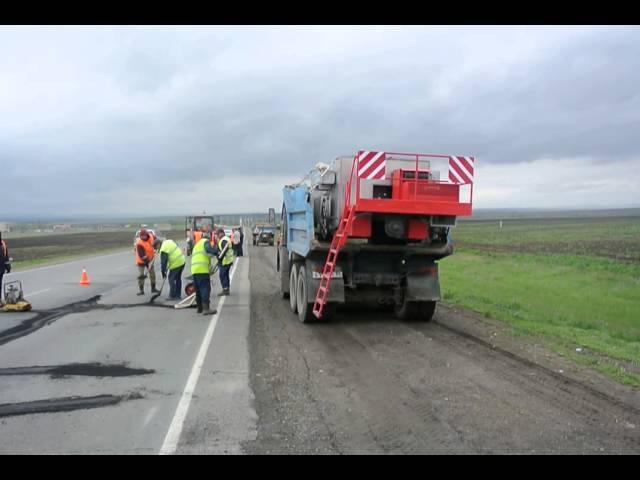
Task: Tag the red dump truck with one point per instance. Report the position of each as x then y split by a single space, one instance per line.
371 228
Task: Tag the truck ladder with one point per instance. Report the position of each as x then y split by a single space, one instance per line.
338 242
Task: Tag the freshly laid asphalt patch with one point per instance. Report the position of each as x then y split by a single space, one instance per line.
78 369
43 318
65 404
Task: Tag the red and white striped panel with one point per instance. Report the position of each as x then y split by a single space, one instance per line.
461 169
372 165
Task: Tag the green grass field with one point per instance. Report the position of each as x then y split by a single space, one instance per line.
575 283
31 251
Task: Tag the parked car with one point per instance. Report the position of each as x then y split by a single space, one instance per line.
265 235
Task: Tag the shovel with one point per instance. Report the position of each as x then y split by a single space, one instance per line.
153 298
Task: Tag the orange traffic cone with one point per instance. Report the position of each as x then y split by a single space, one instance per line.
84 279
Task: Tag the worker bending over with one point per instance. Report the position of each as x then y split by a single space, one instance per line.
144 259
5 264
224 252
201 271
172 260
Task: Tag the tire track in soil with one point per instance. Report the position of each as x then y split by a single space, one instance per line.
524 362
482 383
290 376
397 389
401 419
603 415
393 424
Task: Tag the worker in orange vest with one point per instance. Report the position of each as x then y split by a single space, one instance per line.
5 263
145 254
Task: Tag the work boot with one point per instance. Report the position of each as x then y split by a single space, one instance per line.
141 292
154 289
207 311
224 293
199 308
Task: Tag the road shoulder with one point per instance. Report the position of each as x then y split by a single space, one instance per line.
221 415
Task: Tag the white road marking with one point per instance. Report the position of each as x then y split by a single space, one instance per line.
172 439
150 415
37 293
122 268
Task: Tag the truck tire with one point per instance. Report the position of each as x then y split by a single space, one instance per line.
293 288
416 311
305 309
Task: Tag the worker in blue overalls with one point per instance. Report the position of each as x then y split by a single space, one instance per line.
224 252
201 272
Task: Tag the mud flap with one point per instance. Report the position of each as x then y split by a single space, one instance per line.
423 287
336 293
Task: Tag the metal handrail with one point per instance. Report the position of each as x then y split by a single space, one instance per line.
417 156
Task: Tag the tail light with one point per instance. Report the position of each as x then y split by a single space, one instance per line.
431 270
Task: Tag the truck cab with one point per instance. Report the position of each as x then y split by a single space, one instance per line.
194 230
266 235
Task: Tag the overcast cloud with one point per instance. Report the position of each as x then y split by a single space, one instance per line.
174 120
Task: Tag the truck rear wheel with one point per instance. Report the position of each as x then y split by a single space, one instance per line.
293 288
416 311
305 309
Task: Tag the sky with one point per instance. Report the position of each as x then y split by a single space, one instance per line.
154 120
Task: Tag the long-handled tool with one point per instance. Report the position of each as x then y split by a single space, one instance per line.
164 280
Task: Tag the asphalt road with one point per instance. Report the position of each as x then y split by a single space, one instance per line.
159 380
116 375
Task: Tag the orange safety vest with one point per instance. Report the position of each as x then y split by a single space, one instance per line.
148 250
